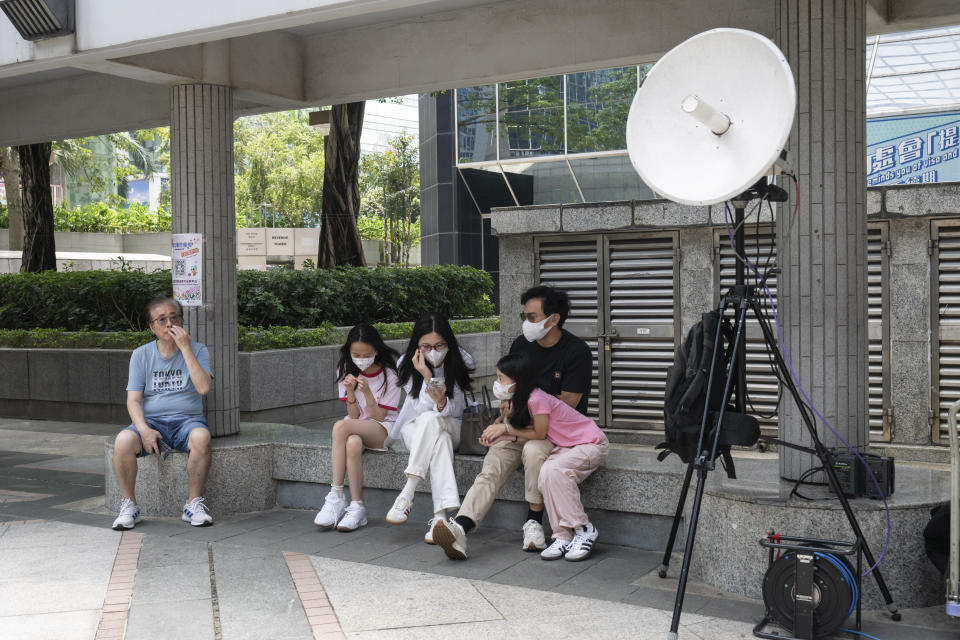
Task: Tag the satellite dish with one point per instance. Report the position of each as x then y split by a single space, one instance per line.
712 116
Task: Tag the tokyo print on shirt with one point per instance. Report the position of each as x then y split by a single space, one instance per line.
165 382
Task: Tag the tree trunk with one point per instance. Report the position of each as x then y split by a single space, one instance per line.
339 236
10 172
39 251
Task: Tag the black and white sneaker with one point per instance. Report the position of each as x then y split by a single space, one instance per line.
556 549
582 544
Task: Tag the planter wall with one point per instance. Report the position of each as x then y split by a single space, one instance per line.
284 385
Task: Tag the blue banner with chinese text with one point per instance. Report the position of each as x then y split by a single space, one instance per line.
915 149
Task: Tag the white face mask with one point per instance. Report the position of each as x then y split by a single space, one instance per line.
363 363
533 331
503 392
436 356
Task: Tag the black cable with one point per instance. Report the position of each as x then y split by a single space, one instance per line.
802 480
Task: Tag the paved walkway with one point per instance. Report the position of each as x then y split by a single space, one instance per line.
64 574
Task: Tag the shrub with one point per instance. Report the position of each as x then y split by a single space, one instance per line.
348 295
250 338
113 217
114 300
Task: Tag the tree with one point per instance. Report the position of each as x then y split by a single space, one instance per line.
39 249
390 190
339 238
121 155
10 172
279 163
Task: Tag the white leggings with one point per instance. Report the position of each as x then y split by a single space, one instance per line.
431 440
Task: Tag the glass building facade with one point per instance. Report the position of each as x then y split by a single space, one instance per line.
552 140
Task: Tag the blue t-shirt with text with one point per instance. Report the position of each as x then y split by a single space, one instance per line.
165 382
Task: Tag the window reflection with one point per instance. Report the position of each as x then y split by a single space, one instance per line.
531 118
598 103
476 123
609 178
541 119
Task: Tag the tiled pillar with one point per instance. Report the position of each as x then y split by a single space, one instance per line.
201 184
823 286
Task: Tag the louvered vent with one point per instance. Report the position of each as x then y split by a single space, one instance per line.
573 266
947 355
878 385
39 19
642 305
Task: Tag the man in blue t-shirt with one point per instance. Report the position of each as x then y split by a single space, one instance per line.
167 380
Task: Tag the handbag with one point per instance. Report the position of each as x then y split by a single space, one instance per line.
476 417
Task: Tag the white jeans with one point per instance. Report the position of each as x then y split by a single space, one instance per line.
431 440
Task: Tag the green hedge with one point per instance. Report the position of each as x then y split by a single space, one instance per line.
250 339
114 300
115 217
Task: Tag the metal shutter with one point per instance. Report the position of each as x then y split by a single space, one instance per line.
879 366
572 265
760 248
641 326
945 338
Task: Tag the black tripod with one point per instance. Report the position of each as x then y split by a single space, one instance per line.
739 299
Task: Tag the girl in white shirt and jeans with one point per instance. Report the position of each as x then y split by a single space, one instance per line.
434 372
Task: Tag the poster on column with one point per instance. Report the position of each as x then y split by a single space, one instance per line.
188 268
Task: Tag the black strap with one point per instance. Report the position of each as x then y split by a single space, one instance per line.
486 398
789 445
727 461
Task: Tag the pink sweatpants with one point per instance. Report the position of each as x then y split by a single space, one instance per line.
560 477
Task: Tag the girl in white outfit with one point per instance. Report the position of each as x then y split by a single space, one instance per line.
434 372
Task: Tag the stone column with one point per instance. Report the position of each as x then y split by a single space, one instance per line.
823 251
201 184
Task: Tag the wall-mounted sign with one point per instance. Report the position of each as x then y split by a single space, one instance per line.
915 149
187 257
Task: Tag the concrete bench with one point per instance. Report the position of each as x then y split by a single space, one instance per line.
269 465
631 499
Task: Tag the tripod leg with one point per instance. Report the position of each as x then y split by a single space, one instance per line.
662 571
687 552
705 460
823 455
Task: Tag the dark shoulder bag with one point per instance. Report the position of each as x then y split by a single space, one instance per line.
476 418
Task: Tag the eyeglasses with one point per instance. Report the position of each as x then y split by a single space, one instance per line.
530 317
165 320
427 348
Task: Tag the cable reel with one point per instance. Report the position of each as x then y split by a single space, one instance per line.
811 588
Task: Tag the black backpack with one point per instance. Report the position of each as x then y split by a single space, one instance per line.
686 395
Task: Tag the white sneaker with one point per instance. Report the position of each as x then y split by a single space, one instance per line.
451 537
556 550
582 545
333 507
428 538
354 518
533 539
129 516
195 512
399 511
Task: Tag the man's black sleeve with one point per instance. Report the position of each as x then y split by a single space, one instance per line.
579 368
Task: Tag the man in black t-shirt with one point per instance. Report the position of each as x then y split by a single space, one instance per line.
564 361
564 365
